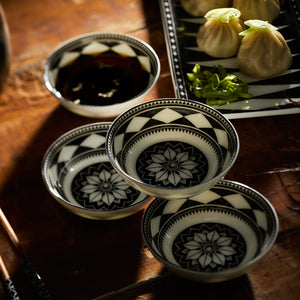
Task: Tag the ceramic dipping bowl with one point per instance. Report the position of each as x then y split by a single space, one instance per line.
79 175
100 75
172 148
216 236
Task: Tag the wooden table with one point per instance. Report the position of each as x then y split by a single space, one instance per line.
84 259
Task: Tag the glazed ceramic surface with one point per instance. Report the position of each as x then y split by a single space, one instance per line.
94 44
172 148
215 236
79 175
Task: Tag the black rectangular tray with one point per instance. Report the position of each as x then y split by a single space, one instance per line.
270 96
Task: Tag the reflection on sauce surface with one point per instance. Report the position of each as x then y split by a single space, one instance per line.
103 79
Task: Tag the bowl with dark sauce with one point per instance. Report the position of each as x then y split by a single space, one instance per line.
100 75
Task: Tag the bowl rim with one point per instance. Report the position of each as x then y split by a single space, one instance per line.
215 275
100 35
59 142
168 101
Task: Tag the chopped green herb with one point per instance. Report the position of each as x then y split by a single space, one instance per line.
255 25
217 86
225 15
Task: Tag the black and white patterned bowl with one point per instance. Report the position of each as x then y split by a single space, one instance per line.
79 175
172 148
133 51
216 236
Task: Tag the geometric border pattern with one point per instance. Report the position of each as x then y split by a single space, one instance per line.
70 145
184 230
171 112
97 43
225 194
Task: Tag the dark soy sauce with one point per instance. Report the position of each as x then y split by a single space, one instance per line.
103 79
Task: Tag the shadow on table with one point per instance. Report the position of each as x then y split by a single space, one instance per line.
175 288
77 258
167 286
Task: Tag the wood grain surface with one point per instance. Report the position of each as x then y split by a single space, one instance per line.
84 259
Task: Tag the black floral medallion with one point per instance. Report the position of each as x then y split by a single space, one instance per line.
172 164
209 247
99 186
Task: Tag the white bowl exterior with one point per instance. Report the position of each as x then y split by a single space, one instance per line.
107 111
207 277
97 214
169 193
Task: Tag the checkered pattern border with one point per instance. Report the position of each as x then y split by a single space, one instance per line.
168 112
225 193
105 43
72 144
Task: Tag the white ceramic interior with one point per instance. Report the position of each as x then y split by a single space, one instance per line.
92 44
172 148
79 175
216 236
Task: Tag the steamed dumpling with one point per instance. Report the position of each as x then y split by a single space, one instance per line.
265 10
263 51
219 35
200 7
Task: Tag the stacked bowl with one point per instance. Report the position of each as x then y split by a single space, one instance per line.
169 154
